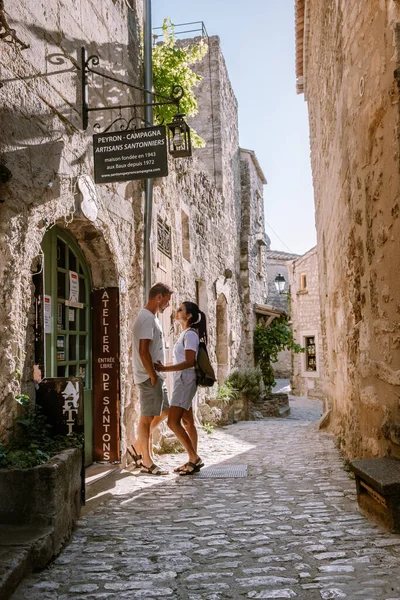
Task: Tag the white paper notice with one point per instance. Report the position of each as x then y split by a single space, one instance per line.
47 314
73 286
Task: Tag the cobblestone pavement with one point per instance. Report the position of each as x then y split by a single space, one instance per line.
291 529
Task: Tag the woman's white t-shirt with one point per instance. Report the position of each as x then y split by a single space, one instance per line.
188 340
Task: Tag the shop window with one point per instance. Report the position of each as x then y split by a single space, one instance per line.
185 236
311 355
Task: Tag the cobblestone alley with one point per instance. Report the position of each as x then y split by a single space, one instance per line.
291 529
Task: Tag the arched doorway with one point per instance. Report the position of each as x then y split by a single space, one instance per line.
68 336
222 339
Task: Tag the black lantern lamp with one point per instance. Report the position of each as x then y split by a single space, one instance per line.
280 283
179 143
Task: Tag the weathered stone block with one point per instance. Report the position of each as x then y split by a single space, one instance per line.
48 495
272 405
378 489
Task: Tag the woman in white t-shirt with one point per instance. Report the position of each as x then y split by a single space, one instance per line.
180 418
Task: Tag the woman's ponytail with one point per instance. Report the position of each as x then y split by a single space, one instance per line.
197 320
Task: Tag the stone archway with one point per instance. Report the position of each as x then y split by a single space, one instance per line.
222 349
72 343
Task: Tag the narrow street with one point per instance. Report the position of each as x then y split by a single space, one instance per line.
290 529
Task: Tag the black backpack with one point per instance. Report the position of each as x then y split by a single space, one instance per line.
205 375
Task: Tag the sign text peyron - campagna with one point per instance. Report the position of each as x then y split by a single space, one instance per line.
106 374
129 155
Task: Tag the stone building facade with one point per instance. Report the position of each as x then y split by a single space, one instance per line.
348 62
308 368
277 264
57 256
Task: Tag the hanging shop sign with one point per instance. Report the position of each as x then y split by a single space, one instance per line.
106 374
129 155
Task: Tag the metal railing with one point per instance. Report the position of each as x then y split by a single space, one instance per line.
179 29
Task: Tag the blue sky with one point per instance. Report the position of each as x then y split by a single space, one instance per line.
257 39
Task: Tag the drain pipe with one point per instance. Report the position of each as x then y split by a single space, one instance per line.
148 84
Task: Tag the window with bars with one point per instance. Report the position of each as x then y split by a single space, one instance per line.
164 237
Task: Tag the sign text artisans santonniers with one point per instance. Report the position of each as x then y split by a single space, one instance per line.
129 155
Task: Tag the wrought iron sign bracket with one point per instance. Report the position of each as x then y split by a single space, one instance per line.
88 64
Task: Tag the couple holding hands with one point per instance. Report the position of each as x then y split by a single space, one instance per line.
149 372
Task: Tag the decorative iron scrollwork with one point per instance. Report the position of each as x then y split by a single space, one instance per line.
88 64
7 34
164 237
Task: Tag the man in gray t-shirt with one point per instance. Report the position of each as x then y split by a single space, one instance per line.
148 349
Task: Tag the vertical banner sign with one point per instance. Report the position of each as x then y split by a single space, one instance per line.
106 374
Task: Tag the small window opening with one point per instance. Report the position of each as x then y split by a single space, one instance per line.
311 356
185 236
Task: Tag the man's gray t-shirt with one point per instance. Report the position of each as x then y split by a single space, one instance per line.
147 327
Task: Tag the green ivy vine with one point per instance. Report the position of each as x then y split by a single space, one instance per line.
171 66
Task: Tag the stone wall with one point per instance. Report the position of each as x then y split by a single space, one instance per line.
351 54
44 147
217 121
306 322
253 244
47 496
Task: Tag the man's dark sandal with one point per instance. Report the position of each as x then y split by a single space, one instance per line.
199 463
152 470
195 469
137 458
180 469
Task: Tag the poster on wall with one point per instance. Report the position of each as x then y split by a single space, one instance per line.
106 375
73 286
47 314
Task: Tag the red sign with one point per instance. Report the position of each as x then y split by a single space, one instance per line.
106 374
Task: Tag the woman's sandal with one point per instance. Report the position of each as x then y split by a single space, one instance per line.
137 458
199 463
194 466
153 470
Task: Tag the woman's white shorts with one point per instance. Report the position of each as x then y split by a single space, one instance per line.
184 389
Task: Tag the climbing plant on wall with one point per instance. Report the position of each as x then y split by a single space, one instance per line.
171 66
268 342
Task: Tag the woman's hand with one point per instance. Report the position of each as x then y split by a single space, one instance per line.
159 367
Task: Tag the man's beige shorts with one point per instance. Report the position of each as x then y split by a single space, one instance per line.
153 400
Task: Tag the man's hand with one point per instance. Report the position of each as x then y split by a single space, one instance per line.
153 380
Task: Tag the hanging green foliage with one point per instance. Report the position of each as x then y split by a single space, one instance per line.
171 66
268 342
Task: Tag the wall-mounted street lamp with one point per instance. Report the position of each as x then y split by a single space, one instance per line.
280 283
179 143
